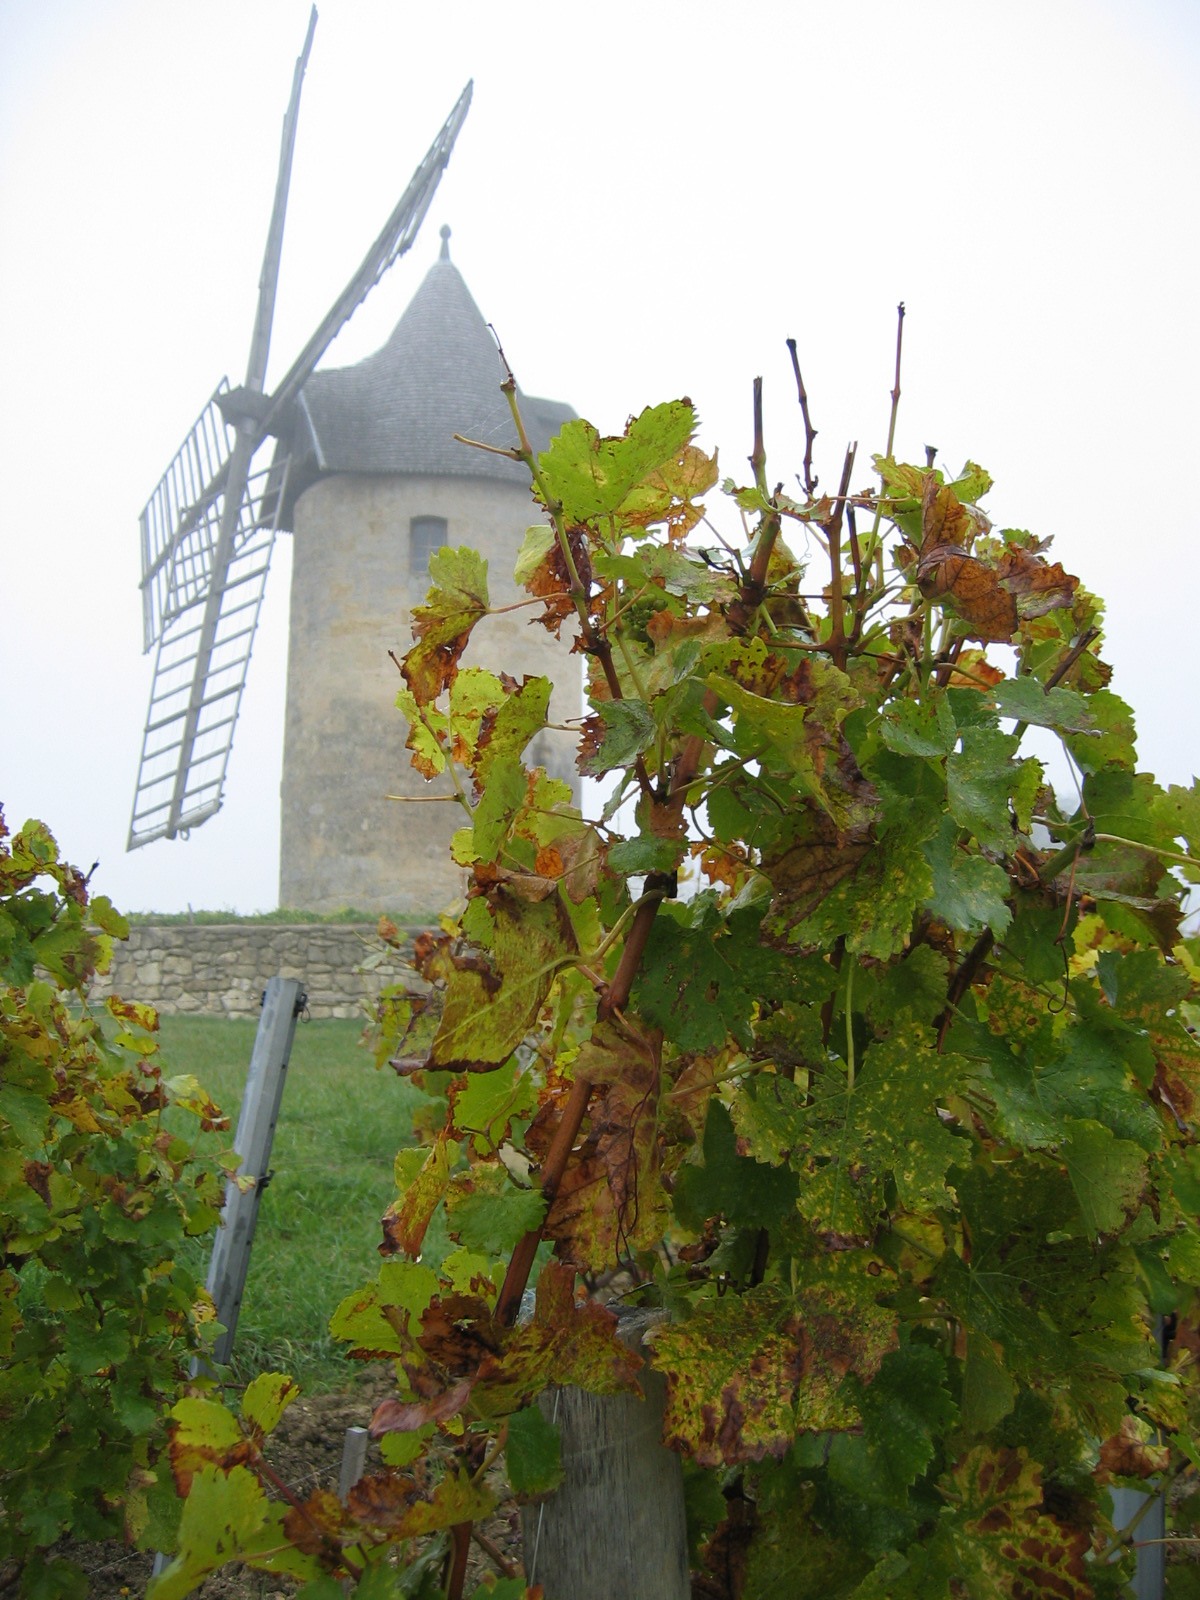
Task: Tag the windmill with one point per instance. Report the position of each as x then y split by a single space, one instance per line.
208 529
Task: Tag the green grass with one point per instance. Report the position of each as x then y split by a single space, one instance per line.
340 1125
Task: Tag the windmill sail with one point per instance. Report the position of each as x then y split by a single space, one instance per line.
208 529
189 710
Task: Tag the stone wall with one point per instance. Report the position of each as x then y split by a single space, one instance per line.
220 970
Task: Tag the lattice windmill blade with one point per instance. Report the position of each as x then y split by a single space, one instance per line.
177 526
397 236
208 529
193 712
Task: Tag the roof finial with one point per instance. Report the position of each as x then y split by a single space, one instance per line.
445 232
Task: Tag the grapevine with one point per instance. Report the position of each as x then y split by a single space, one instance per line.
863 1051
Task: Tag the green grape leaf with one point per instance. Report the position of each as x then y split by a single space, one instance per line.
504 792
591 476
968 891
493 1000
748 1193
1179 813
920 727
987 1391
867 894
1038 1092
1065 1313
747 1372
406 1220
535 547
222 1514
904 1410
1031 941
1108 1175
485 1210
507 727
980 778
802 738
848 1145
1149 995
90 1347
484 1106
1026 700
618 732
533 1453
790 1554
1113 741
912 990
403 1288
266 1398
645 853
702 974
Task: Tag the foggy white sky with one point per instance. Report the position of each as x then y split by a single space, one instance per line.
647 199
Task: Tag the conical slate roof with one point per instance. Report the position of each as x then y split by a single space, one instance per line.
398 410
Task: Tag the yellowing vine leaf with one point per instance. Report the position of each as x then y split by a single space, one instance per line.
442 626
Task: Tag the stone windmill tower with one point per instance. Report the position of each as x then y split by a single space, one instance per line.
377 482
361 465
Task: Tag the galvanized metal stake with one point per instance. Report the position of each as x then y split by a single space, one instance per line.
354 1460
283 1001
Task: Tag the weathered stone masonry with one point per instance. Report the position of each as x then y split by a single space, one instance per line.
221 970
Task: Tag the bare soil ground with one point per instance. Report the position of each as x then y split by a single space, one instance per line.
306 1452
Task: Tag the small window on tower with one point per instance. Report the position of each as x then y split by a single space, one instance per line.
426 534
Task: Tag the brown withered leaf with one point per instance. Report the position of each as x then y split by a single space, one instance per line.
726 1554
610 1200
666 630
991 590
565 1343
974 590
718 863
592 734
807 872
316 1524
1130 1454
405 1508
432 956
550 580
135 1011
204 1434
582 855
531 886
37 1176
458 1331
549 862
1038 585
746 1373
945 522
406 1416
973 668
381 1499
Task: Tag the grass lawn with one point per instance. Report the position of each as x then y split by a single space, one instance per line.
340 1125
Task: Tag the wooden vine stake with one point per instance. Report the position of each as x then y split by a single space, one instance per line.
622 1485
